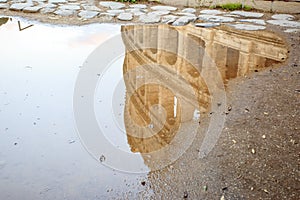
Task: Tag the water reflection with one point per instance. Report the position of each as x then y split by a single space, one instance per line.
153 114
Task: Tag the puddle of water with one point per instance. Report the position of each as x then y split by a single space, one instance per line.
41 154
148 101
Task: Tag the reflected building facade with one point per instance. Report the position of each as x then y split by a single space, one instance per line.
162 62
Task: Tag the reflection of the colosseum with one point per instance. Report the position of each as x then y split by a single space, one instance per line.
161 62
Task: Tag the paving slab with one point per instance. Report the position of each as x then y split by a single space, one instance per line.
88 14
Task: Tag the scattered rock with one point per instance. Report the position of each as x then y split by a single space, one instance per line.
213 18
253 151
285 23
170 8
207 25
247 14
143 183
112 5
149 18
125 16
88 14
283 17
102 158
211 12
181 21
189 10
255 21
248 27
185 195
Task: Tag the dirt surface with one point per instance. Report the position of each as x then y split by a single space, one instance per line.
257 155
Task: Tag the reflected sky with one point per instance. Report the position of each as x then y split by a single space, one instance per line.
41 155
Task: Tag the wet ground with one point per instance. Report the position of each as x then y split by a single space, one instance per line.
50 149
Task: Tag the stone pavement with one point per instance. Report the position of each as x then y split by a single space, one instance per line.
111 11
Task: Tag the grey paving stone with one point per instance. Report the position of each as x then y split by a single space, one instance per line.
91 7
170 8
283 17
112 5
149 18
33 9
184 20
19 6
47 10
140 6
168 19
57 1
189 10
214 18
255 21
69 7
285 23
247 27
88 14
160 12
4 5
186 14
247 14
211 12
125 16
65 13
207 25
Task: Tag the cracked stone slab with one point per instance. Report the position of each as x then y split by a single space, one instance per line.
255 21
168 19
184 20
247 27
88 14
125 16
69 7
33 9
283 17
211 12
65 13
214 18
149 18
170 8
207 25
91 8
19 6
247 14
57 1
139 6
160 12
285 23
112 5
3 6
189 10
